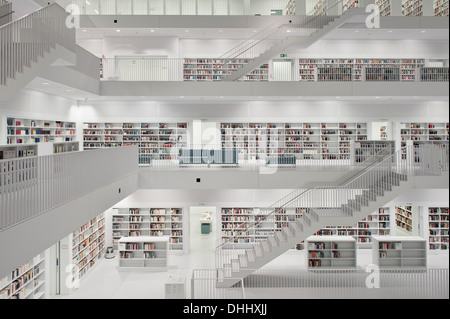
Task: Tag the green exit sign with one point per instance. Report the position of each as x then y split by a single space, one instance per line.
283 55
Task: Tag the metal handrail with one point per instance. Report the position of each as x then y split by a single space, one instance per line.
31 36
312 187
389 158
278 29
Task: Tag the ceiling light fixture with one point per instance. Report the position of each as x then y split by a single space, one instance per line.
117 30
152 30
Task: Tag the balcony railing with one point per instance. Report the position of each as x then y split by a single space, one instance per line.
210 69
326 284
32 185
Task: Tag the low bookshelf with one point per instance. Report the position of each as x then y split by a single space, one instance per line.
399 252
331 252
155 222
143 252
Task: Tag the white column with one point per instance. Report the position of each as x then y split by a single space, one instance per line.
300 7
427 8
396 8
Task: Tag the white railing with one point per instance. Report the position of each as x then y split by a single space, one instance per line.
5 12
326 284
179 69
337 198
178 7
201 157
24 40
32 185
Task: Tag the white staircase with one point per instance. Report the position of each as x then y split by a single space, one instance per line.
349 200
31 44
271 42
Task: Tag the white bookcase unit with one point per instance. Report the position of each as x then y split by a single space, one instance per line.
408 252
25 282
87 246
154 222
31 131
438 219
144 252
156 141
331 252
404 218
290 8
384 6
378 223
304 141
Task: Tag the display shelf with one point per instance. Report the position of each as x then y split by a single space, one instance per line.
438 220
87 246
211 69
440 7
66 147
137 222
304 141
331 252
143 252
408 252
366 149
31 131
25 282
156 141
419 132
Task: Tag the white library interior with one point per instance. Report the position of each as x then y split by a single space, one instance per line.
199 149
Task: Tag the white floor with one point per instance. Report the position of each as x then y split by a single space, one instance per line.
105 281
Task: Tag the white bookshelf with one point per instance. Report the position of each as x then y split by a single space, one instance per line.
155 222
211 69
438 220
32 131
349 4
384 6
304 141
87 246
378 223
399 252
25 282
404 218
331 252
156 141
144 252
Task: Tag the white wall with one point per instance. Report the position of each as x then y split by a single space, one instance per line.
30 104
145 46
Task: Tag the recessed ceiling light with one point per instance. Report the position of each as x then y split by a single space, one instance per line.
45 83
390 31
221 97
377 97
423 31
356 31
117 30
186 30
181 97
84 30
288 31
152 30
338 97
